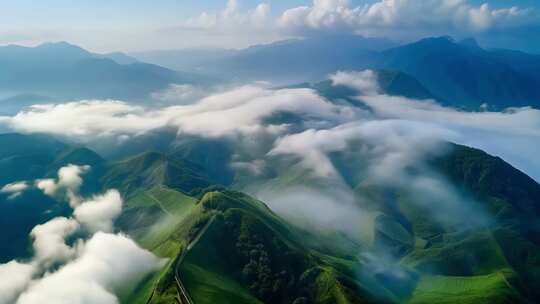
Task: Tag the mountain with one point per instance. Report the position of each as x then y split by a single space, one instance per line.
466 74
118 57
231 248
458 73
284 62
224 245
65 71
12 105
40 155
152 169
183 60
390 82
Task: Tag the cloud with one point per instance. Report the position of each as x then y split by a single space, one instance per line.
14 189
85 118
234 27
332 207
14 277
400 15
107 264
69 181
363 81
48 186
99 212
178 94
391 145
92 271
49 241
513 134
240 110
231 18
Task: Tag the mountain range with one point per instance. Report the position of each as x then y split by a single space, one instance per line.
229 247
322 201
456 73
460 73
63 71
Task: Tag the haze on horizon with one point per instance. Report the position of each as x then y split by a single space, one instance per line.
131 26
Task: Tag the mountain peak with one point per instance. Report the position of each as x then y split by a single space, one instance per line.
59 45
470 42
62 49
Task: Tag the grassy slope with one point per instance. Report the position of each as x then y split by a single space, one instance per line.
204 274
206 270
174 207
482 289
467 266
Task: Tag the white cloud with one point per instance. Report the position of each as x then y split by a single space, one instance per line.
178 94
399 15
513 134
392 145
85 118
364 81
332 207
239 110
107 264
69 181
48 186
14 189
95 271
49 241
98 213
231 18
14 277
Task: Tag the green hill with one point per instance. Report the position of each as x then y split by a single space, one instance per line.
225 246
233 249
151 169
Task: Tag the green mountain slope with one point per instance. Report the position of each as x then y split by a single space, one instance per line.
150 169
233 249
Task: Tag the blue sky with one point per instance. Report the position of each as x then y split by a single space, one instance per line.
131 25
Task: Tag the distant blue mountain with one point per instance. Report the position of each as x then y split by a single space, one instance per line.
465 74
62 70
460 73
284 62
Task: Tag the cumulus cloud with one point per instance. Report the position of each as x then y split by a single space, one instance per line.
99 212
14 278
49 241
69 181
107 264
235 27
90 271
399 15
231 18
